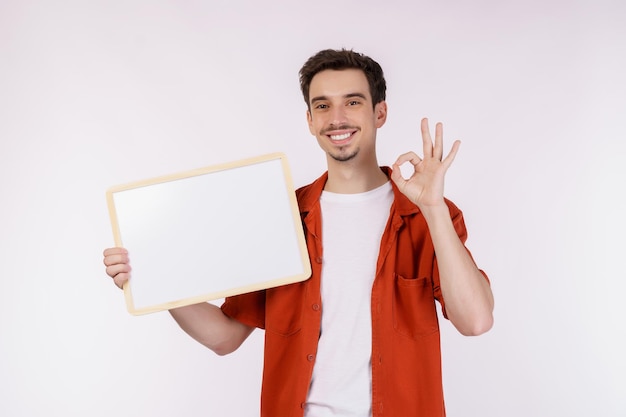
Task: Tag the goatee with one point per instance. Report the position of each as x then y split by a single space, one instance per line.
343 157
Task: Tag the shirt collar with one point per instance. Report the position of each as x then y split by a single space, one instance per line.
308 197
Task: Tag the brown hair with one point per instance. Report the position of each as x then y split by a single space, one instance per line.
339 60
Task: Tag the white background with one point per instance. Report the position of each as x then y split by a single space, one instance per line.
98 93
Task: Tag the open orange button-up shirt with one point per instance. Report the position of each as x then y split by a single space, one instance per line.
406 356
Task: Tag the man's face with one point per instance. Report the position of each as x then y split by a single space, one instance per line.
342 116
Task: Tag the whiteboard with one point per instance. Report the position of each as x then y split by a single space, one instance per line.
209 233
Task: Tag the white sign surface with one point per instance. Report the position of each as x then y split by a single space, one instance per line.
209 233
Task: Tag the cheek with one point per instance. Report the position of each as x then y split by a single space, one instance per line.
316 126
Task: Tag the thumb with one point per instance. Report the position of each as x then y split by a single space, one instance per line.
396 176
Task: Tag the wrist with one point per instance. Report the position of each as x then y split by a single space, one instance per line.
436 212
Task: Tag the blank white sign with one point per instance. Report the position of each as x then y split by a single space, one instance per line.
209 233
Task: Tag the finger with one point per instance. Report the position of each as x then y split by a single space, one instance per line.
114 270
115 256
411 157
426 139
121 279
114 251
120 274
452 154
438 149
116 259
396 175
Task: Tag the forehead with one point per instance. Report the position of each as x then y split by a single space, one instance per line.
338 83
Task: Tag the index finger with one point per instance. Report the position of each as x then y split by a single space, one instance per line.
115 251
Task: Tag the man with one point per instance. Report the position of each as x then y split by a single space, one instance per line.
361 336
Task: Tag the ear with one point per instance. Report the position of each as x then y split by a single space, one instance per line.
380 111
309 120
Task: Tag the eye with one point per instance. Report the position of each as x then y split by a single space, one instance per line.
321 106
353 102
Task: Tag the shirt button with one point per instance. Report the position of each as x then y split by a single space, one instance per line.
316 307
318 259
310 357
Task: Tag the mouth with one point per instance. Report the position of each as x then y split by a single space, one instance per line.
341 135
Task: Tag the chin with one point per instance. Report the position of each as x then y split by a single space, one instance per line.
343 157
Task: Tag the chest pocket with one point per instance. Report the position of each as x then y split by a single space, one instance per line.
283 309
414 313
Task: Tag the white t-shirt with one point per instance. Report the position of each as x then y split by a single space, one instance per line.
352 227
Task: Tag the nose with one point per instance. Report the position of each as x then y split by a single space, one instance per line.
337 116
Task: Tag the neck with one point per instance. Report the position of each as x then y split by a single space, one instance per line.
351 178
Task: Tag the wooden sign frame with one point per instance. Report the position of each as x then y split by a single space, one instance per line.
209 233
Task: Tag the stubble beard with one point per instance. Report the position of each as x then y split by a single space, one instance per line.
340 156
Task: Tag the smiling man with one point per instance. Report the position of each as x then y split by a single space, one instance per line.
361 336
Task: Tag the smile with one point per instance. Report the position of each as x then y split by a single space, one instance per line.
340 137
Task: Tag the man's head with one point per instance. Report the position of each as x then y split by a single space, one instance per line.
345 96
330 59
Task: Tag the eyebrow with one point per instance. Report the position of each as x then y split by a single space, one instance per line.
349 95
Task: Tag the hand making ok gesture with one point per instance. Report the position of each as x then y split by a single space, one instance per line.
425 186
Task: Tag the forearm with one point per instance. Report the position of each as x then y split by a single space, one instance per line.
467 294
207 324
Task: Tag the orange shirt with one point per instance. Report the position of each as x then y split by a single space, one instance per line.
406 355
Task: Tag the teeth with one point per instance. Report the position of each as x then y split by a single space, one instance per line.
340 137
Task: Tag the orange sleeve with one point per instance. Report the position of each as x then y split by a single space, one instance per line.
247 308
